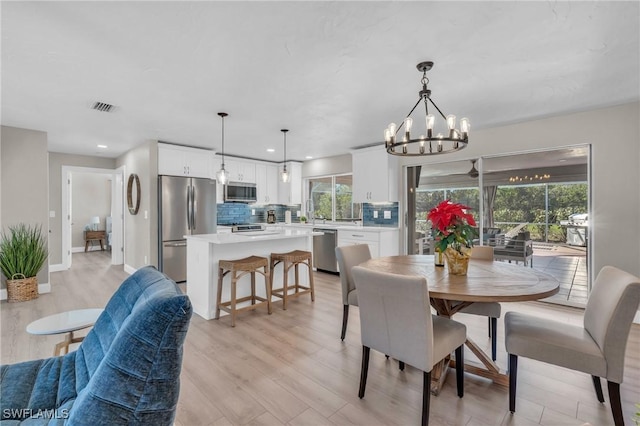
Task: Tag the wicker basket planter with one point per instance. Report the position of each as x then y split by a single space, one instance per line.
22 289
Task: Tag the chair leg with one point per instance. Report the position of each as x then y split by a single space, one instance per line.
598 386
489 326
494 337
426 397
401 365
614 400
513 373
460 370
365 369
345 319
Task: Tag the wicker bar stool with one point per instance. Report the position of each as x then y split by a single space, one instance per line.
238 269
292 259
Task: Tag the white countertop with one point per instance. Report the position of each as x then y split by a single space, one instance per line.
247 237
345 227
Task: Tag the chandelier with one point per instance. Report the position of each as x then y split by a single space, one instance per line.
529 178
432 143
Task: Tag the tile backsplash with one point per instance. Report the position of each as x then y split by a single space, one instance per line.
380 214
230 213
372 214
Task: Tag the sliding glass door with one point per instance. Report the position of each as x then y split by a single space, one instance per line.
544 196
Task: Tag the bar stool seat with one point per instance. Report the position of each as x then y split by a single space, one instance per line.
239 268
292 259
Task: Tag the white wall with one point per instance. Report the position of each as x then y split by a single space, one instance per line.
614 134
339 164
91 196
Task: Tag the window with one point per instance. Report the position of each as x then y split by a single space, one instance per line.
330 197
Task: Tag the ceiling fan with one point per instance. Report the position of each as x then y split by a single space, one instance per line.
473 172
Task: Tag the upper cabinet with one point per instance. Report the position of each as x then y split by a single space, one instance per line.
240 170
374 175
266 183
290 192
176 160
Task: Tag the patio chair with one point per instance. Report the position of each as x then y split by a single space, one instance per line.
519 248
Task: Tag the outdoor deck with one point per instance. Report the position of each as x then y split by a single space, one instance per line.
568 264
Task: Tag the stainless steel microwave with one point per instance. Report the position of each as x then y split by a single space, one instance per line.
240 192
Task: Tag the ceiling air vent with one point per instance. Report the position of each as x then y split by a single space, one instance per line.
102 107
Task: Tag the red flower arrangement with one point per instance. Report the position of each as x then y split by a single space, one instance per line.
453 225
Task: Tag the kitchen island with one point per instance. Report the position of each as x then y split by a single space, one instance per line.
205 251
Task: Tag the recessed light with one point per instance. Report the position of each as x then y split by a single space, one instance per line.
103 146
271 150
308 157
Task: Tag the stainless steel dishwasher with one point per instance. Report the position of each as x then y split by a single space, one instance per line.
324 250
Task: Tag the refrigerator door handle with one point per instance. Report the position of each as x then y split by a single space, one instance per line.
184 244
194 207
189 207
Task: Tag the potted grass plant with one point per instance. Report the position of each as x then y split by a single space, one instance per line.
23 251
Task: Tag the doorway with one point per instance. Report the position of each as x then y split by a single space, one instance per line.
92 212
544 195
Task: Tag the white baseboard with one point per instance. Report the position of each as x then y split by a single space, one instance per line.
129 269
42 288
81 249
57 268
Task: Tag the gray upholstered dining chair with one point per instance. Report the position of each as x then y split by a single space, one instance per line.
596 348
492 310
348 257
395 319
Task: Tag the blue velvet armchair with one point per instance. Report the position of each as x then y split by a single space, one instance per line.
126 371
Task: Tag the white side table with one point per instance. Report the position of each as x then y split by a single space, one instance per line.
65 322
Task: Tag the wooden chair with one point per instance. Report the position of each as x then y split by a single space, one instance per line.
348 257
238 269
597 347
395 319
292 259
492 310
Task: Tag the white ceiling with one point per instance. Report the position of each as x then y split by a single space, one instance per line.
335 73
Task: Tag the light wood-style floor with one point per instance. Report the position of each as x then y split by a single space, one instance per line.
290 368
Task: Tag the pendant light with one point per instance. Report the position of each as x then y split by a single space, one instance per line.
284 175
222 176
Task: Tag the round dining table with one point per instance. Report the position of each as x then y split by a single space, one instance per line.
486 281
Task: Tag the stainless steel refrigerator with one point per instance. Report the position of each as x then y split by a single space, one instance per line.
187 206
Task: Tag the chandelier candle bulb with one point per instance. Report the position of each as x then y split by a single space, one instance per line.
464 127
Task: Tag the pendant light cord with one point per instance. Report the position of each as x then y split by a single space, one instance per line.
222 116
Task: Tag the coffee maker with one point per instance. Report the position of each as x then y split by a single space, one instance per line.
271 216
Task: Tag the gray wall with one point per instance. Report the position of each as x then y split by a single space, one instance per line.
91 196
141 234
56 161
339 164
614 134
24 190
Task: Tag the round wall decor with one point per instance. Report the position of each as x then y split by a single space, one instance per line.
133 194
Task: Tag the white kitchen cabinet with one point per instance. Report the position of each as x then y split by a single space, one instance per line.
374 175
176 160
290 192
266 183
381 243
240 170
